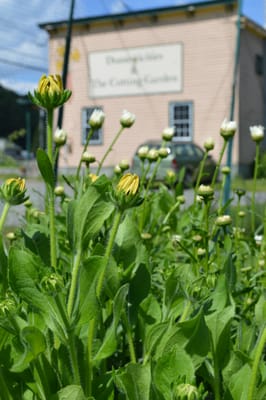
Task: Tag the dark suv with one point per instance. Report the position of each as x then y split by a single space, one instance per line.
181 154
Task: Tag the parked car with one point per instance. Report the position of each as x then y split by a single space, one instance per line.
181 154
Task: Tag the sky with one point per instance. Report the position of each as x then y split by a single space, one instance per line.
24 46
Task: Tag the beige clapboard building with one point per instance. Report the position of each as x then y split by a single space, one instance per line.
170 67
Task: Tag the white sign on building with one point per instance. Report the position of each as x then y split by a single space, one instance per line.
136 71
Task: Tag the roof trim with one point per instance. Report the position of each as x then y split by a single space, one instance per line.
147 12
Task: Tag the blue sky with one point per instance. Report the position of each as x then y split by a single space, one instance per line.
23 44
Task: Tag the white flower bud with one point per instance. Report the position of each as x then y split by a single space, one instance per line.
223 220
209 144
164 152
60 137
88 157
153 155
168 134
257 133
124 164
96 119
228 129
143 152
127 119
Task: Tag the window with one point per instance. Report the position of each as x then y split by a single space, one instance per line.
180 116
97 137
259 64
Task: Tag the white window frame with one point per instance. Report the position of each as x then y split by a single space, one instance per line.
174 122
97 137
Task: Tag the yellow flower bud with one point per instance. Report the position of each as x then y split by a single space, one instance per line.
50 92
13 191
128 184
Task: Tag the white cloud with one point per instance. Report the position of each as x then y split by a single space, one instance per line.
117 7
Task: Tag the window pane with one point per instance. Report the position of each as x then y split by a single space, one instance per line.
181 119
97 134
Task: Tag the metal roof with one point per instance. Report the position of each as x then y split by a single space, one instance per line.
147 12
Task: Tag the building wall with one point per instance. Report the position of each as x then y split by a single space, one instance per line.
251 97
208 57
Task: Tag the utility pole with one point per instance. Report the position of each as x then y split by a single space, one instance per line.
227 187
65 67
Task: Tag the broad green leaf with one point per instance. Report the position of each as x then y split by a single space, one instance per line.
135 381
239 383
109 344
46 168
139 288
88 302
129 247
260 310
34 344
24 274
71 392
219 324
171 367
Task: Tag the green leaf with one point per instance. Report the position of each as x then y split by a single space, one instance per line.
71 392
139 288
24 274
170 368
135 381
88 302
219 324
260 310
46 168
239 383
109 344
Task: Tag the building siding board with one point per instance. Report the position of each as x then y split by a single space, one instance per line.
208 60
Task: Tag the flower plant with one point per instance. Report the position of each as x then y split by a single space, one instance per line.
121 292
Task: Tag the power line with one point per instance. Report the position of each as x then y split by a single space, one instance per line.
22 65
22 53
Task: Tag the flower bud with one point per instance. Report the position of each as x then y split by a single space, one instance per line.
143 152
93 177
185 391
226 170
7 306
59 191
11 236
201 252
60 137
128 184
257 133
117 170
88 157
223 220
228 129
96 119
164 152
13 191
127 119
181 199
50 92
168 134
240 192
153 155
124 164
209 144
206 192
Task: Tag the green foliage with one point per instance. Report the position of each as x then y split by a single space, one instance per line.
151 302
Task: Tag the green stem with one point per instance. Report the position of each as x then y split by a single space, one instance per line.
168 215
4 392
185 311
217 377
217 168
49 134
206 239
202 164
74 281
4 215
74 359
89 378
108 251
253 209
130 339
90 134
255 367
51 207
110 148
